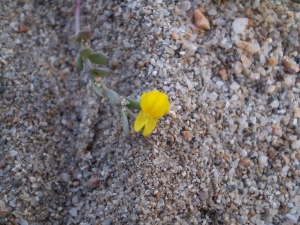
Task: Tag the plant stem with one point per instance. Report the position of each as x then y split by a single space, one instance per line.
130 113
77 17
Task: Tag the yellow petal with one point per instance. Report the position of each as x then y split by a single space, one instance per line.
140 121
150 125
155 104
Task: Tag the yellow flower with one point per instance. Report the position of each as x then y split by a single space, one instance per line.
154 105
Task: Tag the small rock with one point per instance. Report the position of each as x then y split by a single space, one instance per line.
291 217
32 179
65 177
175 36
187 135
290 65
75 183
246 61
13 153
261 70
287 81
296 112
172 114
275 104
238 67
12 204
203 195
256 4
73 212
244 162
263 161
296 145
239 25
277 131
223 74
254 76
272 154
234 86
272 62
270 19
212 12
23 28
200 21
271 89
250 47
23 222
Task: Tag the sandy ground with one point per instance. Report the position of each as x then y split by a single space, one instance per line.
227 154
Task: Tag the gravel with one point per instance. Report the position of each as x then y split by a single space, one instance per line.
227 153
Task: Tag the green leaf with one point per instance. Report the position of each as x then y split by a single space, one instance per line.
134 104
85 35
97 90
85 52
98 58
113 97
99 72
79 62
297 1
73 39
125 123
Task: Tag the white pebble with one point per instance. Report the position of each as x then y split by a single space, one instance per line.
296 144
212 12
13 153
234 86
291 217
275 104
254 76
263 161
239 25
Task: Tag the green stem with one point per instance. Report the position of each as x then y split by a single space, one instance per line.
134 104
130 114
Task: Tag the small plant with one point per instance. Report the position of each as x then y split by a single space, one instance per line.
153 105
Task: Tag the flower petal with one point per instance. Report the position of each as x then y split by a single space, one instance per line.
150 125
140 121
155 104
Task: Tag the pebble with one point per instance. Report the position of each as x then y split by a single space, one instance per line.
187 135
200 21
263 161
13 153
296 112
288 81
272 154
270 19
254 76
65 177
223 74
244 162
175 36
212 12
73 212
290 65
239 25
271 89
275 104
296 145
272 62
234 86
250 47
24 222
246 61
23 28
